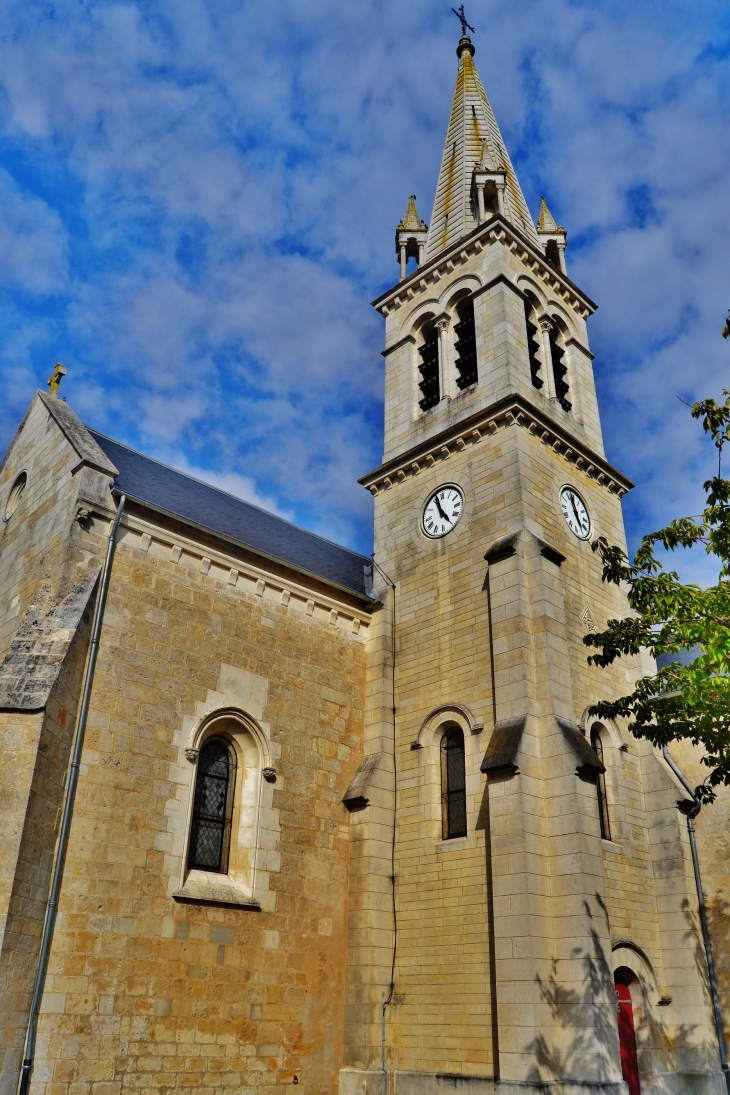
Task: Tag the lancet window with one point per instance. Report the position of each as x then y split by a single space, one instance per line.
533 344
453 783
210 835
429 367
597 744
560 370
465 346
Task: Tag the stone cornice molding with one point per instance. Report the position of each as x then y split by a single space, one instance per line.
495 230
512 410
246 578
397 345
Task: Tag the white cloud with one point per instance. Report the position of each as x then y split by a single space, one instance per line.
214 194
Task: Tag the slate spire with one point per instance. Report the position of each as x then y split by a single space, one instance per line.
473 140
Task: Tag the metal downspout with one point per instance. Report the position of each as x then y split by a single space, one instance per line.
73 778
703 915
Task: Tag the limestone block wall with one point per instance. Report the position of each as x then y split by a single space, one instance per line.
533 900
34 754
36 565
147 990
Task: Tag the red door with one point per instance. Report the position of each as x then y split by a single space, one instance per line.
627 1039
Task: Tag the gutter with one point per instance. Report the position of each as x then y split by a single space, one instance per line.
68 805
703 916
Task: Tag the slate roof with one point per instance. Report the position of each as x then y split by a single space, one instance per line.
148 481
684 657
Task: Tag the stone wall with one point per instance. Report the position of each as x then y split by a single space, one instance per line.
146 991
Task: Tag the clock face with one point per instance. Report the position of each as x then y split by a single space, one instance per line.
442 511
575 513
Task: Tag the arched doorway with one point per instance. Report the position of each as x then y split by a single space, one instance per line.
626 1032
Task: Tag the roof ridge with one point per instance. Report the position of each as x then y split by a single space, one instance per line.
227 494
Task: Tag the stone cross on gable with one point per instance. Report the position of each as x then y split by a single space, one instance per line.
55 379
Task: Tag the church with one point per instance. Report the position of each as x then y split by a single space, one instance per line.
278 814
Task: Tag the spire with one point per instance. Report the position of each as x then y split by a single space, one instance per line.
473 140
552 237
546 221
412 219
410 237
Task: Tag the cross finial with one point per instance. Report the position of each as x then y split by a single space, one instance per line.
55 379
464 25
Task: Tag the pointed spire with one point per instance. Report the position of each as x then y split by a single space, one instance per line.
410 237
473 138
552 236
412 219
546 221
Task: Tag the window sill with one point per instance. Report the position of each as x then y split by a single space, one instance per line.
612 846
452 843
201 888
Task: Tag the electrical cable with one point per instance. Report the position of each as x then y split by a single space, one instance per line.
73 778
391 990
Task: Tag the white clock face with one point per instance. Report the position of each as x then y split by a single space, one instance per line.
442 511
575 513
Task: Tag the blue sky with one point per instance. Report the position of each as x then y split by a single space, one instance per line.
198 203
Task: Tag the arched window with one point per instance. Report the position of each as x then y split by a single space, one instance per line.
210 834
429 367
552 254
597 744
16 493
466 345
533 345
453 783
560 371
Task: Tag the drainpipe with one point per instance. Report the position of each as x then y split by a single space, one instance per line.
73 778
703 915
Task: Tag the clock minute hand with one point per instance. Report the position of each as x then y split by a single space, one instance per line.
575 511
438 507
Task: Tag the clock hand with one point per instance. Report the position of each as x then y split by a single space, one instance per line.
438 507
575 511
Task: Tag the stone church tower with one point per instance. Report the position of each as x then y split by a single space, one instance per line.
344 824
533 852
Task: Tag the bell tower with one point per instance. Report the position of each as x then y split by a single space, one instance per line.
483 911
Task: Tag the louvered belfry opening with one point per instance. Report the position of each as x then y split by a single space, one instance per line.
453 783
429 368
212 809
465 346
559 370
533 346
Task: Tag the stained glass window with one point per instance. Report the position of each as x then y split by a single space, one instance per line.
212 808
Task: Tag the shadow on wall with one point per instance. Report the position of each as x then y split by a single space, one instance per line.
568 1009
667 1047
718 917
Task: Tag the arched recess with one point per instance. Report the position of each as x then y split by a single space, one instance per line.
236 884
632 967
535 354
447 712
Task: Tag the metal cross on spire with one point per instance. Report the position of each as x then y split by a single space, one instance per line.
464 25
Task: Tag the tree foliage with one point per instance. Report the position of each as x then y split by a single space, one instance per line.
679 701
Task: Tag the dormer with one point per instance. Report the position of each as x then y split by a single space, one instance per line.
488 183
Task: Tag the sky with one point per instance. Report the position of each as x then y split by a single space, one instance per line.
198 203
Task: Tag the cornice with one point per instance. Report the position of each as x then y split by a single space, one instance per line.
495 230
154 539
512 410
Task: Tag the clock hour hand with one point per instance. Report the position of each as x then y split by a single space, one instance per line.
575 511
438 507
